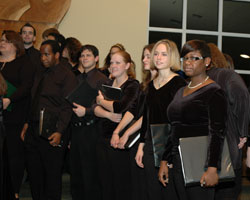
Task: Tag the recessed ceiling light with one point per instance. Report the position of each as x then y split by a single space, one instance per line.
244 56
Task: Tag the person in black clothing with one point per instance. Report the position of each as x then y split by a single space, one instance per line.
113 163
85 130
44 156
135 114
238 103
161 91
28 34
199 109
18 73
3 170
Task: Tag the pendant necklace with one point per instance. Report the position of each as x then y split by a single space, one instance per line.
192 87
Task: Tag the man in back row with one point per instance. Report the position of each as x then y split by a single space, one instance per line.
28 34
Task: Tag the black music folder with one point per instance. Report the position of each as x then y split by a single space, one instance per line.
159 133
111 93
47 123
83 94
193 153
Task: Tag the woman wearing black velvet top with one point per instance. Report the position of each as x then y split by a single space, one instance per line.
198 109
165 58
18 73
113 163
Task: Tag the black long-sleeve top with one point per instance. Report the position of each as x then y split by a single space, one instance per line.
57 84
157 101
19 73
130 91
201 113
34 55
93 81
238 103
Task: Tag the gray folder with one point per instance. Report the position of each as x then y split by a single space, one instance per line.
193 153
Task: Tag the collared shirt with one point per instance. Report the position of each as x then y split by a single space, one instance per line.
94 79
57 82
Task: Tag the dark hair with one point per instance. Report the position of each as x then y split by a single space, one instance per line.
146 74
59 38
48 31
16 40
127 59
91 48
73 46
196 45
28 25
54 45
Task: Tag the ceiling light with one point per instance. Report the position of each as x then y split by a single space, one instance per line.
245 56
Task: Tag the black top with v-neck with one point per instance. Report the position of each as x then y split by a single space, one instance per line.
200 113
157 101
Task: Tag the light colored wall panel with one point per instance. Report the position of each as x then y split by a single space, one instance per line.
106 22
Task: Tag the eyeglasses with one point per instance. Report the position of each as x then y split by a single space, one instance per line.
192 59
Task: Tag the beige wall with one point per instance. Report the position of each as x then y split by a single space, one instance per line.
106 22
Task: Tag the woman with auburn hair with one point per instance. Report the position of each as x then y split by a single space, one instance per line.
218 59
135 114
165 59
114 168
113 49
18 73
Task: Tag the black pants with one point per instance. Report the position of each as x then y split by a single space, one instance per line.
44 166
138 179
15 150
114 171
155 190
85 184
188 193
230 190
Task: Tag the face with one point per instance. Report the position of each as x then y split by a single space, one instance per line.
161 57
88 60
6 46
65 53
194 64
118 67
48 58
28 35
146 59
50 37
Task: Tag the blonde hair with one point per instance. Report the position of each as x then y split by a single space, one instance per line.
173 52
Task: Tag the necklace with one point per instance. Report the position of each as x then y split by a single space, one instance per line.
159 83
192 87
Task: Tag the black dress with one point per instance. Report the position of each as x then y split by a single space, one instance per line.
19 73
157 102
200 113
114 164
